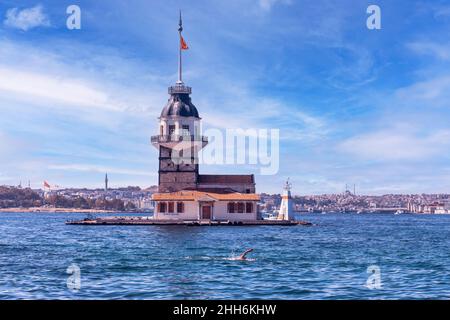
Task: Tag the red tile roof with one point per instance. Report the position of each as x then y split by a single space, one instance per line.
191 195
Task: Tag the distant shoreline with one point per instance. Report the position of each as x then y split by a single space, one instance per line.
55 210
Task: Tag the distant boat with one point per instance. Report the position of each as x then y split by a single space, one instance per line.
270 215
399 212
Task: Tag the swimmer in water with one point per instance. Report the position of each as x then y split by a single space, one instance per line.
242 256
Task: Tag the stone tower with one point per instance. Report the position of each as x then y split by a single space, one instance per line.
179 139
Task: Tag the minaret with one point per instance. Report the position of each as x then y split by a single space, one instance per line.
179 139
106 182
287 206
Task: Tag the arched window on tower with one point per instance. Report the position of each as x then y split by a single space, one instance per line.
185 130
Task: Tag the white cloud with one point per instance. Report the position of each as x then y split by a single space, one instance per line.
438 50
434 92
53 80
396 145
77 113
26 19
267 5
29 85
10 147
442 11
264 113
99 169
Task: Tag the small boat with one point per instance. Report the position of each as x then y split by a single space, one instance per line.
399 212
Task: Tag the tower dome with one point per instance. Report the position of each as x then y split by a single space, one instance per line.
179 104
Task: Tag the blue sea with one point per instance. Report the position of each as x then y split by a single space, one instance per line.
329 260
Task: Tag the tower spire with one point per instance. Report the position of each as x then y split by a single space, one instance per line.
180 28
287 185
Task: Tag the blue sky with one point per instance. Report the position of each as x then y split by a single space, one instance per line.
356 106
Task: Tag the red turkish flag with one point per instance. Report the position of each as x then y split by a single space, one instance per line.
183 44
46 184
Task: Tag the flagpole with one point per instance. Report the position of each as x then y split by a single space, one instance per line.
180 28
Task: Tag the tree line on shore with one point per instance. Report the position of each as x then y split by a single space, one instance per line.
11 197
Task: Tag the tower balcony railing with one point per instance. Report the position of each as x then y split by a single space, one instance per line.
178 138
180 88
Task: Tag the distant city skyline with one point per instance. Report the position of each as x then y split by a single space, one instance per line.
354 106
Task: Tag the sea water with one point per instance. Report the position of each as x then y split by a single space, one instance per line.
331 260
